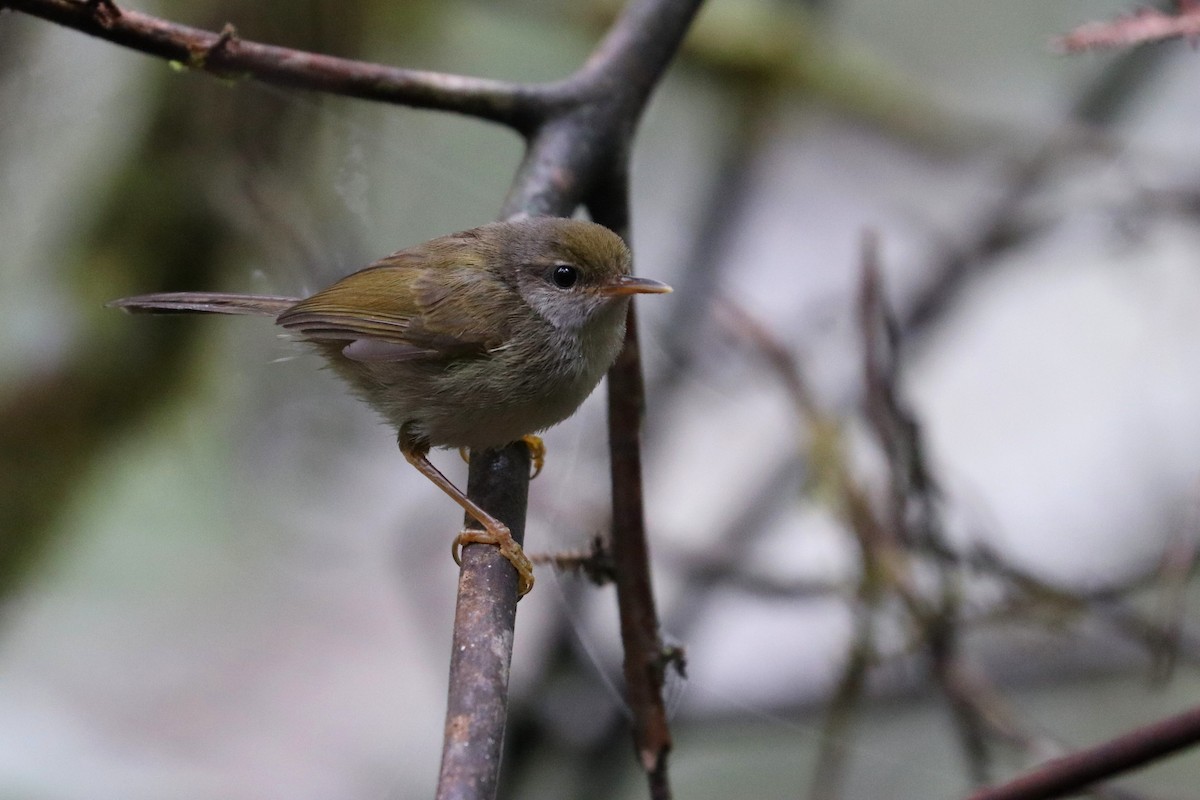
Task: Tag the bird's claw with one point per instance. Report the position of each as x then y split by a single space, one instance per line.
537 453
501 538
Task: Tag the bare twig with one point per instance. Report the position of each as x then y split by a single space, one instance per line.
225 54
1105 603
1081 769
644 665
979 712
645 657
596 562
978 708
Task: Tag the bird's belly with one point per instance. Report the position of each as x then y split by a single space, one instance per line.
473 404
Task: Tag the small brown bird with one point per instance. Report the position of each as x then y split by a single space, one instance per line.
475 339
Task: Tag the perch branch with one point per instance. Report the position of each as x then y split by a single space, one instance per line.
580 155
484 620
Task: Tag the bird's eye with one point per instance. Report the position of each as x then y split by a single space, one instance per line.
565 276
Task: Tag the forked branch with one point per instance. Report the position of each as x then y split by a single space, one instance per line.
579 133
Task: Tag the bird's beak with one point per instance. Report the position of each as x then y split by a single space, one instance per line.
628 284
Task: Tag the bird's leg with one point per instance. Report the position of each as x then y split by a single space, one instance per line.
537 453
494 531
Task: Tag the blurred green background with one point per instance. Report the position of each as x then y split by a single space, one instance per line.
220 579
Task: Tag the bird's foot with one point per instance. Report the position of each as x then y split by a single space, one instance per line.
501 538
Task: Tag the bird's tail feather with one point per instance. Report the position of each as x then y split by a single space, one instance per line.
209 302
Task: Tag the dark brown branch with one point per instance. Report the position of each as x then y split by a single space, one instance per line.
483 629
1079 770
644 660
226 54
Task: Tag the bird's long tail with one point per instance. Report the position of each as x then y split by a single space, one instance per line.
209 302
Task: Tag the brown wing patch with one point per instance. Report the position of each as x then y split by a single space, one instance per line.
446 312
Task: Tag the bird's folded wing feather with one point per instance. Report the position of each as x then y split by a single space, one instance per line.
399 312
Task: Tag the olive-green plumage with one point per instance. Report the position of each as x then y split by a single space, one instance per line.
473 339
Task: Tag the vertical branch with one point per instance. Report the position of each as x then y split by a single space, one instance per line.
645 658
644 655
912 515
483 631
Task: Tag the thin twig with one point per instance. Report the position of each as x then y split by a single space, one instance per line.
644 652
1079 770
645 657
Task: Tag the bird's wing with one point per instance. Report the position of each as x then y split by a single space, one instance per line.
404 309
